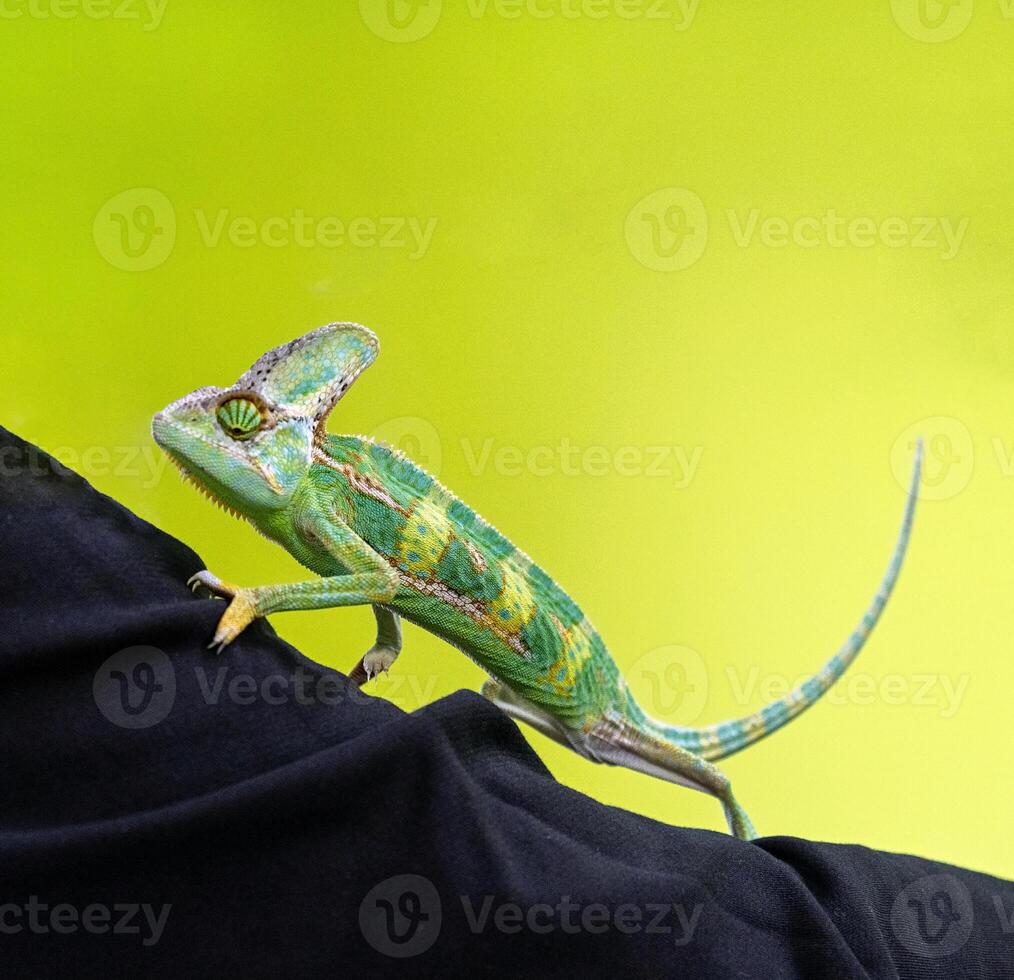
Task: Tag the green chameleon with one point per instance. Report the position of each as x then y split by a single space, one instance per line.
378 529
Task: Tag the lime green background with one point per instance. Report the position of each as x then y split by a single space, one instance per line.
800 372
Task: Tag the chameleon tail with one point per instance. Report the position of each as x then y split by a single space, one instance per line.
725 738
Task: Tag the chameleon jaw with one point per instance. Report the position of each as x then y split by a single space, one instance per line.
188 477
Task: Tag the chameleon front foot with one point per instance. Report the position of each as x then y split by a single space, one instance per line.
241 613
376 661
242 610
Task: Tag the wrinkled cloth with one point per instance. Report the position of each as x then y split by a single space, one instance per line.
170 813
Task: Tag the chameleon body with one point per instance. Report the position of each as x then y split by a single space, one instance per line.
377 529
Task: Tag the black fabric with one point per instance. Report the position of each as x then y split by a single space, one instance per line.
274 830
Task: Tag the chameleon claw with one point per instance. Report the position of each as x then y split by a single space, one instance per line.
218 644
241 612
216 586
377 661
221 640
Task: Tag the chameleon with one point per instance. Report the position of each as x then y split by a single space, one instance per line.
377 529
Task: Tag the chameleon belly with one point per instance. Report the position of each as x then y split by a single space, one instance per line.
464 581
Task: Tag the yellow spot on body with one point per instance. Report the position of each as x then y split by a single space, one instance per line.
515 605
426 536
575 652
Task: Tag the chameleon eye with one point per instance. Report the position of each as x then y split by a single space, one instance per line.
240 417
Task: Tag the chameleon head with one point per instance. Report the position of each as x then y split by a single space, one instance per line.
249 446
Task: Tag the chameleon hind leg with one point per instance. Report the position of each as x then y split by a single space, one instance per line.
521 709
618 742
384 652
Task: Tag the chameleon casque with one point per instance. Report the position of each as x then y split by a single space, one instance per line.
378 529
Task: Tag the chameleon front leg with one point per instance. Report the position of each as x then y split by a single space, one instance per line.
384 652
368 579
